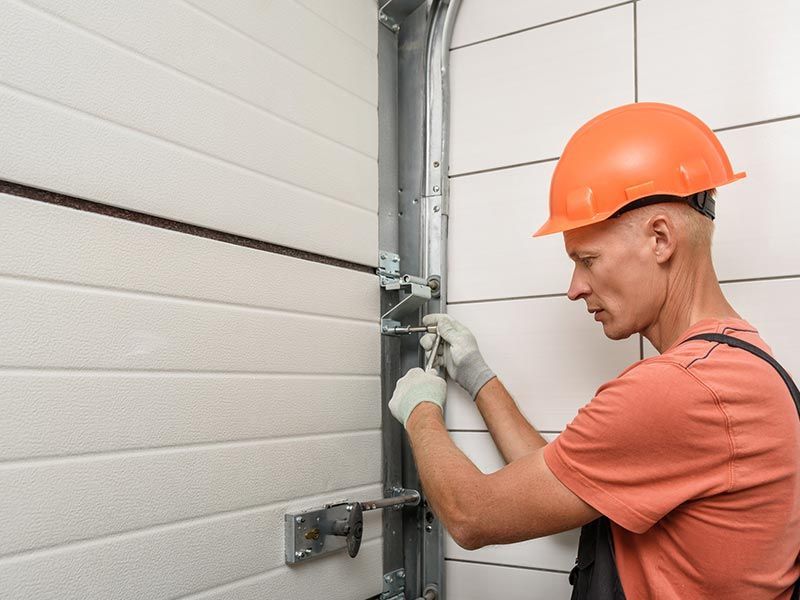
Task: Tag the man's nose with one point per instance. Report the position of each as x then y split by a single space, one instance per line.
578 287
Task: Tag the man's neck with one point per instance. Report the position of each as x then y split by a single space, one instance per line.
688 300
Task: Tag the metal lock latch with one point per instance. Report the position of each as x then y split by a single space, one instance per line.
335 526
415 291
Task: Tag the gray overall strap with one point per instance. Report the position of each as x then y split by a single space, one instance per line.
737 343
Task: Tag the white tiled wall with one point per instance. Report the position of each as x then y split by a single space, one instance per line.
525 76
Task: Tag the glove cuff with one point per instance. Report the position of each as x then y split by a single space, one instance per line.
477 379
415 397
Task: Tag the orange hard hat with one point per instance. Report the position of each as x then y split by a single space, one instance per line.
632 152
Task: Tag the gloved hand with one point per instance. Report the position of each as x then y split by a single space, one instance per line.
463 360
414 387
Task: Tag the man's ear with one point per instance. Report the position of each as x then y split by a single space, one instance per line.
662 230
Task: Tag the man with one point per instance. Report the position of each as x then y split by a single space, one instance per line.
691 454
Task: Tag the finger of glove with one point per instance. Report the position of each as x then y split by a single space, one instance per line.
426 341
439 356
432 318
433 371
448 328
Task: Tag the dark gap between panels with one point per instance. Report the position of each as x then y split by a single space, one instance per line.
40 195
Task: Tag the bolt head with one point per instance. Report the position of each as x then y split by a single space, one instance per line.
395 27
401 574
299 555
436 209
436 163
300 520
383 257
387 578
428 528
349 507
309 551
436 188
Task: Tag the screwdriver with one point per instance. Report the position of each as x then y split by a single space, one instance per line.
434 350
411 329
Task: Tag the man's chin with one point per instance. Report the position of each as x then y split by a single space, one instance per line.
614 333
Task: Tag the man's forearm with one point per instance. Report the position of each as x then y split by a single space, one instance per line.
513 435
450 480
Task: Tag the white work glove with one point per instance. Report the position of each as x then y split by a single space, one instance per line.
463 360
415 387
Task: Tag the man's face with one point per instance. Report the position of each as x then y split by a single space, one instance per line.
616 274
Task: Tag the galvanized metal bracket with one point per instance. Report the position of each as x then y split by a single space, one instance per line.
416 290
394 585
318 531
388 267
387 20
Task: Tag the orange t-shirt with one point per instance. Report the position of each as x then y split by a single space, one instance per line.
693 455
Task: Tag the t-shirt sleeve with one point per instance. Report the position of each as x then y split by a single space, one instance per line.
648 441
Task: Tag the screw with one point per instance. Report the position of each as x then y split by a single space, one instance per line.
383 16
428 528
300 520
383 257
436 163
401 574
349 507
299 555
436 208
436 188
387 578
395 27
395 259
308 551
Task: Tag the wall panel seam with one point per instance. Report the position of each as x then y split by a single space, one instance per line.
205 156
177 524
243 33
139 451
510 298
175 299
754 123
80 372
369 50
757 279
197 595
540 25
555 158
504 167
171 68
564 295
202 373
125 214
635 54
508 566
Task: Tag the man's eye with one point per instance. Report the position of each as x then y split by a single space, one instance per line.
587 262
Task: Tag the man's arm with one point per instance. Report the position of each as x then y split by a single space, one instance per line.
513 435
521 501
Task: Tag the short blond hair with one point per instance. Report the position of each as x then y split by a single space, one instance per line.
699 227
